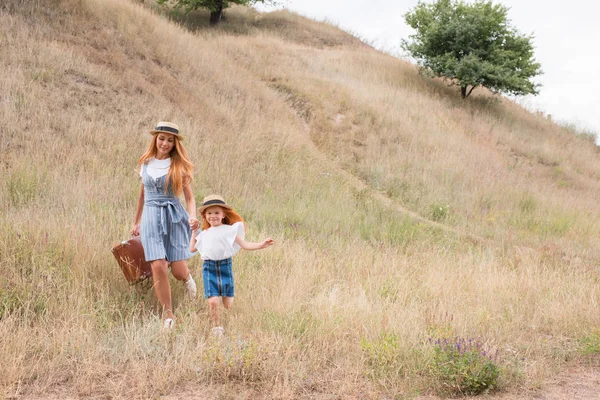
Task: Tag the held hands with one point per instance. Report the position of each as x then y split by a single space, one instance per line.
135 230
194 224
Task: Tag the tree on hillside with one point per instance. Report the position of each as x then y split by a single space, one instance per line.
215 7
472 45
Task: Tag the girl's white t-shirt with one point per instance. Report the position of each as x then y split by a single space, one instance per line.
157 168
218 242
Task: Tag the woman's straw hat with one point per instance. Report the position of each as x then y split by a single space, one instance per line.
213 200
166 127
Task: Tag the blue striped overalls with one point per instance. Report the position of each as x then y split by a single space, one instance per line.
165 230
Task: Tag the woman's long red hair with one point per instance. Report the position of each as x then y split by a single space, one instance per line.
181 169
231 217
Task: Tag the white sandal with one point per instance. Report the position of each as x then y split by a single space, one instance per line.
168 323
190 286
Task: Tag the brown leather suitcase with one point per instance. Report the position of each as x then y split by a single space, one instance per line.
130 256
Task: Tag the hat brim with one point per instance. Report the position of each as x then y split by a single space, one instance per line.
177 135
201 209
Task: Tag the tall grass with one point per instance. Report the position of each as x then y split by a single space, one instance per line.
399 211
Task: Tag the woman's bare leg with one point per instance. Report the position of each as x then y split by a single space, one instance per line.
162 288
182 273
180 270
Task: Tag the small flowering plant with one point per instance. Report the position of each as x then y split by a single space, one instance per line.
439 212
464 366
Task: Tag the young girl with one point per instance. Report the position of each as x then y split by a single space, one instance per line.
166 227
222 236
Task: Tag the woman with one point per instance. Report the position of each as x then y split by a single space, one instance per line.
165 226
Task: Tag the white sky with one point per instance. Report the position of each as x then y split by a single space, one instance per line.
567 36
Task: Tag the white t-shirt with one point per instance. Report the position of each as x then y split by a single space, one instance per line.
157 168
218 242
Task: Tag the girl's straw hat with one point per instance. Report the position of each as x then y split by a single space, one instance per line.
213 200
166 127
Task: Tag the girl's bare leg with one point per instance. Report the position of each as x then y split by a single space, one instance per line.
227 302
213 309
162 288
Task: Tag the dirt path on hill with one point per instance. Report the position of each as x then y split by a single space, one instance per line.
297 108
577 383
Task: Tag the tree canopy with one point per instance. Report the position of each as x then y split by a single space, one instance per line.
472 45
215 7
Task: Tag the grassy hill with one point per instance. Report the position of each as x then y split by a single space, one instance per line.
401 213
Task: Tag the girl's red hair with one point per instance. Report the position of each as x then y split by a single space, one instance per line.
181 169
231 217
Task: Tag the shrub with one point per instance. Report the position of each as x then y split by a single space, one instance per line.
590 344
464 367
439 212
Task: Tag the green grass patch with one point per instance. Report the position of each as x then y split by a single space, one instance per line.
392 231
552 226
382 357
241 361
527 203
24 185
39 265
296 324
388 291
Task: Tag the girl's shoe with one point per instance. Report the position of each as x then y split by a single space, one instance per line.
217 332
168 323
190 286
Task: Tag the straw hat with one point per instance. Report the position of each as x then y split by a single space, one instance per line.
166 127
213 200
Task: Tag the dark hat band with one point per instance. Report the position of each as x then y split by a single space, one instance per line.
167 129
211 202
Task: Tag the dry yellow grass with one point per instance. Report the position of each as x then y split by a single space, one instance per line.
397 209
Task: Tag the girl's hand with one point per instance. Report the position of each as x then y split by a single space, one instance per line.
266 243
135 230
194 224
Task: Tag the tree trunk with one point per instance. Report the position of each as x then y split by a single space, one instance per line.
472 87
463 91
217 15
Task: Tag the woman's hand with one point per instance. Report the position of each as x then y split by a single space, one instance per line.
194 224
135 230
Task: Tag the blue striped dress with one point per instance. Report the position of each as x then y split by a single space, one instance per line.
165 229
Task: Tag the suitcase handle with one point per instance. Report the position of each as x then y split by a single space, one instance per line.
126 242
